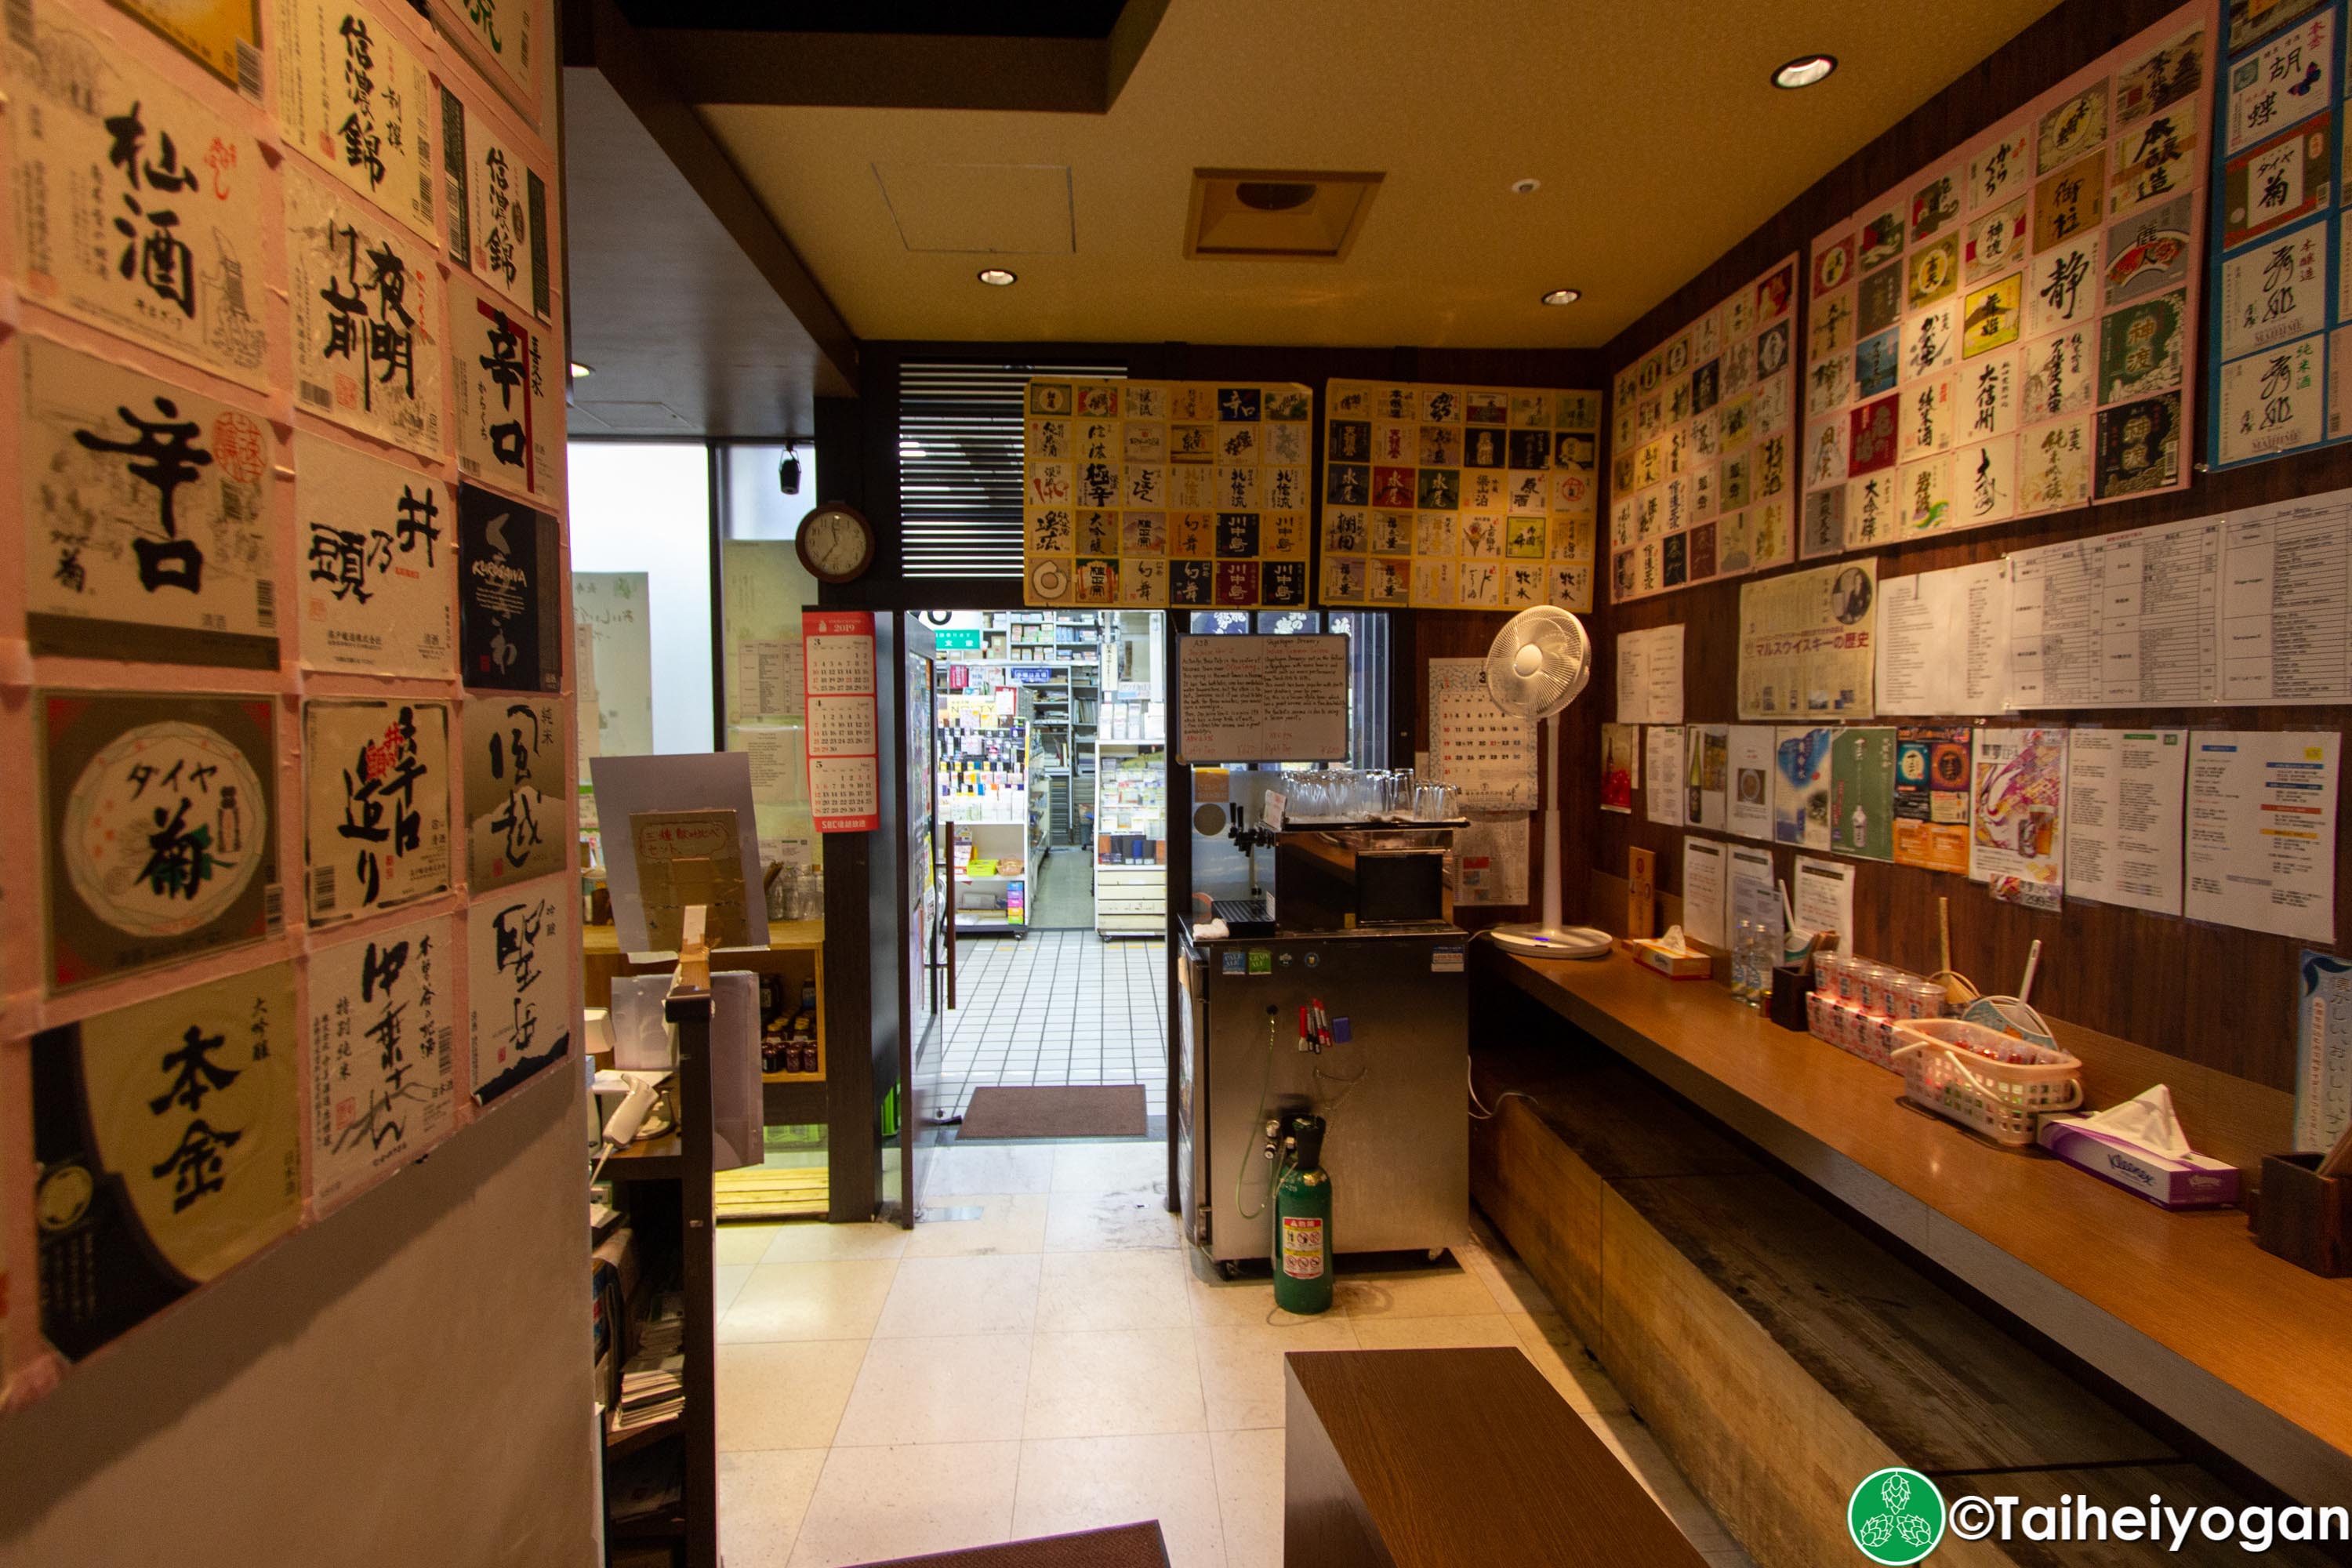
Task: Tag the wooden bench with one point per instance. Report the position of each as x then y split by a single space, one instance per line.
1779 1353
1454 1458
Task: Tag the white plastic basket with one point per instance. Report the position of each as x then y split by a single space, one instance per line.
1982 1078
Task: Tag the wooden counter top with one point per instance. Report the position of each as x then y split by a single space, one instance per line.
2183 1310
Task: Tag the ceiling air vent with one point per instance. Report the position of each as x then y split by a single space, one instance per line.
1277 215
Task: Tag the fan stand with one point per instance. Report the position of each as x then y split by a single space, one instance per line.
1550 939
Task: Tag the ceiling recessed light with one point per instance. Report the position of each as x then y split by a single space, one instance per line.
579 370
1805 70
1526 187
997 277
1563 297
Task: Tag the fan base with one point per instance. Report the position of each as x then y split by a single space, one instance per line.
1553 941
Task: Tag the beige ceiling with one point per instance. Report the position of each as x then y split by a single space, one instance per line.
1653 128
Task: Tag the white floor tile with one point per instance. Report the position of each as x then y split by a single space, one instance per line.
1444 1292
1014 1222
987 1167
784 1395
873 1504
814 1241
762 1496
975 1295
1249 1495
969 1389
742 1243
1090 1483
837 1300
1099 1222
1141 1289
1122 1383
1241 1368
1435 1333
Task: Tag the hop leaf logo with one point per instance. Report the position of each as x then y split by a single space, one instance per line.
1896 1517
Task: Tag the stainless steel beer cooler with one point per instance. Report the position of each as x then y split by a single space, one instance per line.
1394 1093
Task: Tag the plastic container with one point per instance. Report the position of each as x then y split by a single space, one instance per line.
1926 998
1827 968
1870 989
1983 1079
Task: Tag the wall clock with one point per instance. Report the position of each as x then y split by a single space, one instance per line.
835 544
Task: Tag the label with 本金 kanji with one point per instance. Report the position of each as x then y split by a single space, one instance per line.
1302 1247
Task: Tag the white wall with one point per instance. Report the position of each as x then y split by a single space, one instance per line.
405 1385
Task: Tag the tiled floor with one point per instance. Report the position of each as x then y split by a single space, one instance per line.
1057 1362
1056 1007
1065 892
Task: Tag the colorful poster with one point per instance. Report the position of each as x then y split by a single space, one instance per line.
222 36
356 101
509 588
1862 793
147 518
2017 842
520 992
161 832
1704 465
518 821
2051 376
1621 766
1807 644
378 564
1188 494
1932 796
375 821
1459 497
509 394
138 208
2272 385
1800 787
383 1045
503 240
166 1150
366 297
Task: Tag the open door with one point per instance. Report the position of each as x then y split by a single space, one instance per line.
927 939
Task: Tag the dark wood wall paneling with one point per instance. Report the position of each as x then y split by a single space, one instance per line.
2215 995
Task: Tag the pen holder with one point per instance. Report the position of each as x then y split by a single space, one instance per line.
1792 984
2303 1216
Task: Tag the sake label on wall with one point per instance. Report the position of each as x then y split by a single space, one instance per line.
147 518
167 1143
366 297
509 394
518 817
509 620
382 1043
355 99
160 828
377 817
518 985
379 563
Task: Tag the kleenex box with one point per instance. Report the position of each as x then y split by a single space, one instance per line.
2189 1181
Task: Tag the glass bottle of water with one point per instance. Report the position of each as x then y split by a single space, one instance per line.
1743 957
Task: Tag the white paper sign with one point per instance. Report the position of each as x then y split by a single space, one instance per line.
1750 805
2124 794
2261 831
1650 676
1702 890
1944 641
1662 766
1823 896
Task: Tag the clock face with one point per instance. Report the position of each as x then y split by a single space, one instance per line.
834 542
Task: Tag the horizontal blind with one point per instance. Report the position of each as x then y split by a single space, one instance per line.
959 429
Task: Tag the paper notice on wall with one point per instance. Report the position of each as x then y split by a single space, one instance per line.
2261 831
2118 620
1650 676
1944 640
1862 793
1800 787
1755 896
769 682
1475 742
1490 858
1823 896
2017 842
2286 605
1662 762
2124 803
616 688
1706 775
1750 805
1807 644
1931 796
1703 890
1265 699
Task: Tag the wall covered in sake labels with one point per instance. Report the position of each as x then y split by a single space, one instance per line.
291 862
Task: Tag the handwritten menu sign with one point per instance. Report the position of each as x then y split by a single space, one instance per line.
845 779
1262 699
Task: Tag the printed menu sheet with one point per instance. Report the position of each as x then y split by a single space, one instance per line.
2261 831
2005 332
2118 620
1191 494
1650 675
1469 497
1662 762
2124 790
1702 890
1927 618
1702 481
2286 602
2277 332
1474 744
1806 644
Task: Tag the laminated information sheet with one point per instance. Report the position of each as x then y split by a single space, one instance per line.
1807 644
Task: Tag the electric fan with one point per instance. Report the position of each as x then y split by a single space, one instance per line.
1538 665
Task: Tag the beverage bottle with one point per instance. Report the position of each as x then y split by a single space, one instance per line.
1743 955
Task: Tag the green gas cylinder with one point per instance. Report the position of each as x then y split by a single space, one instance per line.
1302 1221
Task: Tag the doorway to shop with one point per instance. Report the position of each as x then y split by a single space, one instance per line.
1048 778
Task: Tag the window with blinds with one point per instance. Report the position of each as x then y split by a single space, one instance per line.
959 464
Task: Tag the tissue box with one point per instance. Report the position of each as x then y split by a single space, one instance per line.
2191 1180
1672 963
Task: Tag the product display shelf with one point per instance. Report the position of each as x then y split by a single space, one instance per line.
1130 838
794 953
